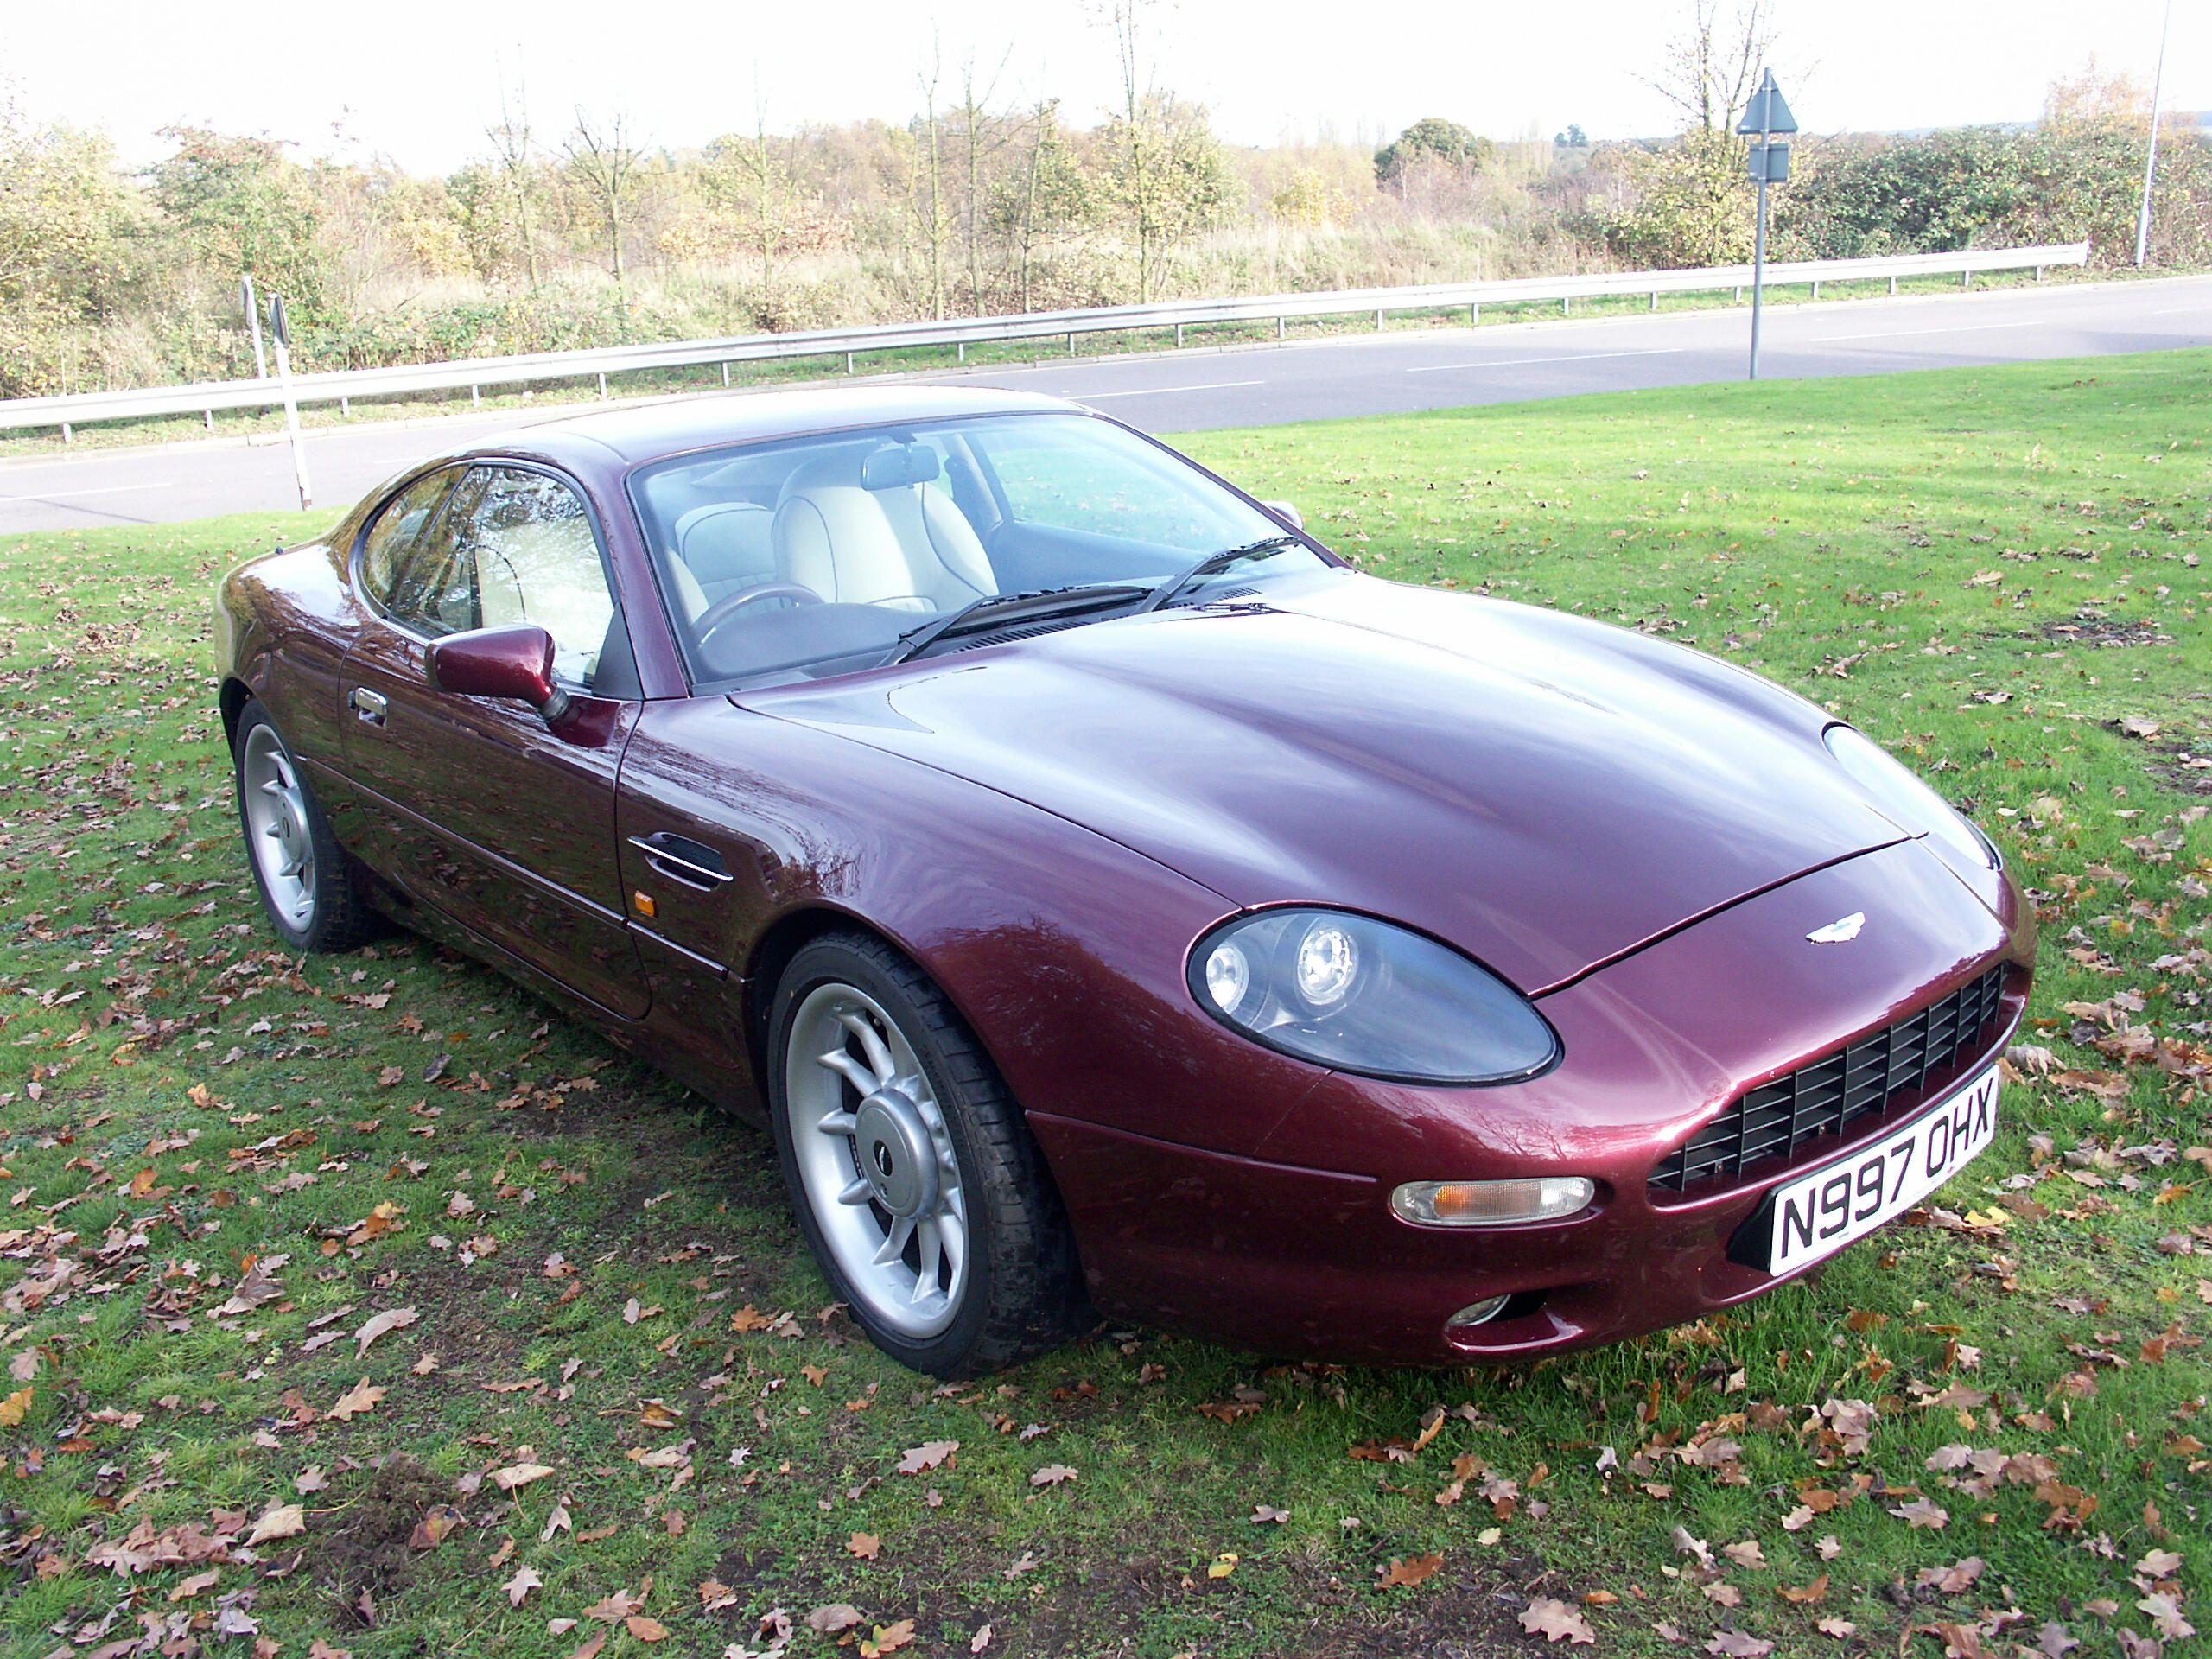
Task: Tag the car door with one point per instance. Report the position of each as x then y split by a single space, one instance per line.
479 809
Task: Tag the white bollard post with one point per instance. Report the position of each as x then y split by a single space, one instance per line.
602 385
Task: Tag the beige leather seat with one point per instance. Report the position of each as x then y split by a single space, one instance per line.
908 547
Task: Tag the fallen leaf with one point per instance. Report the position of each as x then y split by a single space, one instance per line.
1053 1474
278 1520
981 1640
587 1648
1837 1627
13 1408
837 1616
888 1638
439 1522
864 1544
398 1319
1922 1513
916 1459
187 1588
524 1580
1746 1553
358 1399
613 1609
1264 1513
1223 1565
519 1474
645 1629
1556 1621
1736 1645
1805 1597
1409 1570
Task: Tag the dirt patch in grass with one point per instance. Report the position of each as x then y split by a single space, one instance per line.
2101 631
367 1552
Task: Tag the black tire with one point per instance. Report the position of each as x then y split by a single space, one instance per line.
331 914
1022 1288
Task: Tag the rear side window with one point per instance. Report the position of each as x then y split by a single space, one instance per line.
396 531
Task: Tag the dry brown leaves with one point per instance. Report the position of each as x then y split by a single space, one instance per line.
1405 1570
1556 1621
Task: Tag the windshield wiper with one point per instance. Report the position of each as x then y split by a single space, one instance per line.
996 610
1213 565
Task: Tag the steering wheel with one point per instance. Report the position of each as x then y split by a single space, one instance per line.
730 604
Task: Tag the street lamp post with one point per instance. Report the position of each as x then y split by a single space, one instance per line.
1765 116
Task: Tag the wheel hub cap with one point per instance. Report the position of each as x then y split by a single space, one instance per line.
897 1157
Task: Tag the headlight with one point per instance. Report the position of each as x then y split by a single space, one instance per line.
1360 995
1899 792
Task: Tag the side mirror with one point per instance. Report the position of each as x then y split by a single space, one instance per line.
1287 511
509 662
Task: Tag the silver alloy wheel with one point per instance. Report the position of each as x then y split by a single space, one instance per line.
876 1160
277 836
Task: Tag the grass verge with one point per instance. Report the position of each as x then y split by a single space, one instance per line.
224 1166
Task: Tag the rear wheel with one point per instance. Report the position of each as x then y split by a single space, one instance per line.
306 888
915 1178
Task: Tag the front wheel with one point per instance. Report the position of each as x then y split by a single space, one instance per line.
915 1179
306 888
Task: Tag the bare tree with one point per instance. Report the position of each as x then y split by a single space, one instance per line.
760 165
980 136
926 193
1708 71
511 140
602 158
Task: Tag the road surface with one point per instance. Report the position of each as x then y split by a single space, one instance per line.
1243 386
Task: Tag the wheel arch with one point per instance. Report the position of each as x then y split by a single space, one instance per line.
232 701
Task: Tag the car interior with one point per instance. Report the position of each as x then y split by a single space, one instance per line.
817 554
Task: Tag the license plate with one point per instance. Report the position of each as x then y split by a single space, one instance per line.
1817 1214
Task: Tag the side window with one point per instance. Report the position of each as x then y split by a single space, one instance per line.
433 588
396 530
523 546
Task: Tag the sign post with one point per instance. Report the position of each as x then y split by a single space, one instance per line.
253 321
1765 116
280 331
2150 161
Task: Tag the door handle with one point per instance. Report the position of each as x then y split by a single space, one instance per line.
682 858
368 706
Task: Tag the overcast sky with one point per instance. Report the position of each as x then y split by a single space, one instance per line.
418 81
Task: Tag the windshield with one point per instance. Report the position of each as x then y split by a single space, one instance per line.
827 555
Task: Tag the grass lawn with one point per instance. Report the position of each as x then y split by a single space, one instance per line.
610 1405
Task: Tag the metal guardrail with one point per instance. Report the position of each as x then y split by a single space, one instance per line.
206 396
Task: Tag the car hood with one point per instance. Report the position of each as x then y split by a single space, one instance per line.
1545 793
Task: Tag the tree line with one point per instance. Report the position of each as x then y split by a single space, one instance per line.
586 233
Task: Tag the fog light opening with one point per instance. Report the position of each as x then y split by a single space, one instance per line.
1492 1204
1475 1314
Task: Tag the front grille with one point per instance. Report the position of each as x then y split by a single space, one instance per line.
1777 1118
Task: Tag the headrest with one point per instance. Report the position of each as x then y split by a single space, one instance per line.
897 464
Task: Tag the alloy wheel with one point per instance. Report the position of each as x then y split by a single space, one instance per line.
876 1159
277 832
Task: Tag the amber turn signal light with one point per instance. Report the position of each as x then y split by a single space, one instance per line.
1491 1204
644 901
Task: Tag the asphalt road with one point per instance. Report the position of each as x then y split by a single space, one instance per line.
1245 387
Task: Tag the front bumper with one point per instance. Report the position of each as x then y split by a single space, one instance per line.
1295 1249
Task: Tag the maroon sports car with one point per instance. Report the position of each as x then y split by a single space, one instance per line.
1110 898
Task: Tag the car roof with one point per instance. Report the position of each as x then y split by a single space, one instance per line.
649 431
